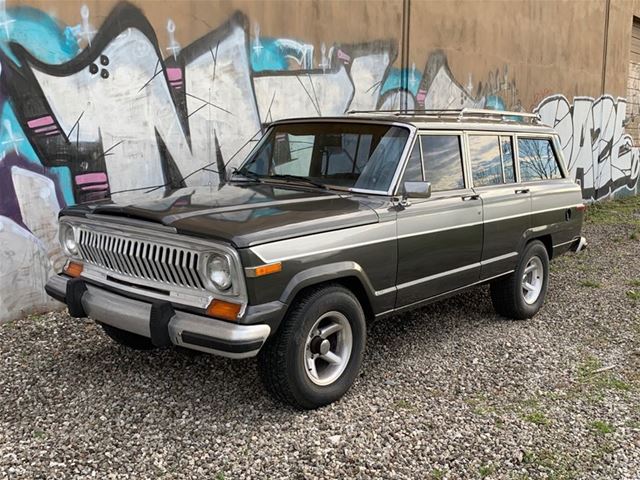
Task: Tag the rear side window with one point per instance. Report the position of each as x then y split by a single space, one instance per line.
442 158
537 160
486 161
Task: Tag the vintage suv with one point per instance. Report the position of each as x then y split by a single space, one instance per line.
328 224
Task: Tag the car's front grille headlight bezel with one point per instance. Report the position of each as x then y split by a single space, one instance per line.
218 271
155 259
68 237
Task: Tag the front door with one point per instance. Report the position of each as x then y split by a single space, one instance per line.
439 238
507 204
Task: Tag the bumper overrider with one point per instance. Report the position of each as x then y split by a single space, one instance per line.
161 321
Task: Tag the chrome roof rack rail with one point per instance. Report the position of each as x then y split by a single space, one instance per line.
459 115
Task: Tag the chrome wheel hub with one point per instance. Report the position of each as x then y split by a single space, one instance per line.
328 348
532 280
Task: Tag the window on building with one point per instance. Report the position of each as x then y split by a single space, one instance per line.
442 158
537 160
632 125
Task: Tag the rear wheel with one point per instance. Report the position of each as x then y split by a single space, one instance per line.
128 339
521 294
316 354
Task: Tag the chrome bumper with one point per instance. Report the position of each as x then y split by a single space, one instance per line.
579 245
158 321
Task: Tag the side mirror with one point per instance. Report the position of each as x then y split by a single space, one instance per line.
417 189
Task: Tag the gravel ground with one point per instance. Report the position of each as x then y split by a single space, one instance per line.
449 391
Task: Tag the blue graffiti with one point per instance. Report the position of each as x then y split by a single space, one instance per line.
13 139
494 102
39 33
395 78
48 41
266 55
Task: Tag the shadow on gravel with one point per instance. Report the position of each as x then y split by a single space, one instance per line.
215 387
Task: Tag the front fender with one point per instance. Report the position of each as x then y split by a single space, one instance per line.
336 271
325 273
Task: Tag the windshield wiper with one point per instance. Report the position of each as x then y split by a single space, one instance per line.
248 174
297 178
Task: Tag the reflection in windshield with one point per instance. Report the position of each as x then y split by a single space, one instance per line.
337 154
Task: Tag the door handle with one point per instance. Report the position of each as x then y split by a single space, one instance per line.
466 198
522 190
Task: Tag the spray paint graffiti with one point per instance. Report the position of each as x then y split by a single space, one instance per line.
599 153
139 120
93 112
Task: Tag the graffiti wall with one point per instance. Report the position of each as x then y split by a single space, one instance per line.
96 111
598 152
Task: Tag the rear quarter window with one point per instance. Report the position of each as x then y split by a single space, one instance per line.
537 160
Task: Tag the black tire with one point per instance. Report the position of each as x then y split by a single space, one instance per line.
508 294
128 339
281 361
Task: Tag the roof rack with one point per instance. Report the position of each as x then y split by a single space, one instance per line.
459 115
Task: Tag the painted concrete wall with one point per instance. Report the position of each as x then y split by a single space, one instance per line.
104 99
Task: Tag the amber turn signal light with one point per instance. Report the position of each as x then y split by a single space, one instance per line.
223 310
73 269
263 270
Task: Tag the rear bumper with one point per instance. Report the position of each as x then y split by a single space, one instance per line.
579 244
158 321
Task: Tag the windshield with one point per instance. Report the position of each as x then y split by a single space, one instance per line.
341 154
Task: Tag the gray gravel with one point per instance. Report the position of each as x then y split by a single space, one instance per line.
450 391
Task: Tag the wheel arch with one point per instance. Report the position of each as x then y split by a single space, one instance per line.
350 275
544 237
546 240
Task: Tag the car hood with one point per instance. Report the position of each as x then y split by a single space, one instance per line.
243 214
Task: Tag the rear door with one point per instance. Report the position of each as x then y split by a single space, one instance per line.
553 195
507 205
439 238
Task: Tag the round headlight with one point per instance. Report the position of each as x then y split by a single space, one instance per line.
219 272
68 240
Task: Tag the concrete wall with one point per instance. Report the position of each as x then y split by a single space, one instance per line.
103 99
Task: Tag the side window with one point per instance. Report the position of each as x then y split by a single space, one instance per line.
507 160
413 171
486 161
442 158
537 160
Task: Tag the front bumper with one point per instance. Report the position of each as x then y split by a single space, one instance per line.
158 320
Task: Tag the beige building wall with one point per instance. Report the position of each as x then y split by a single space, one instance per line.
312 21
543 47
102 99
539 46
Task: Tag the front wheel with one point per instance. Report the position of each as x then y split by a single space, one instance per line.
520 295
316 354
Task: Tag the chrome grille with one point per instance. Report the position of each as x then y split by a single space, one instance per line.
135 258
